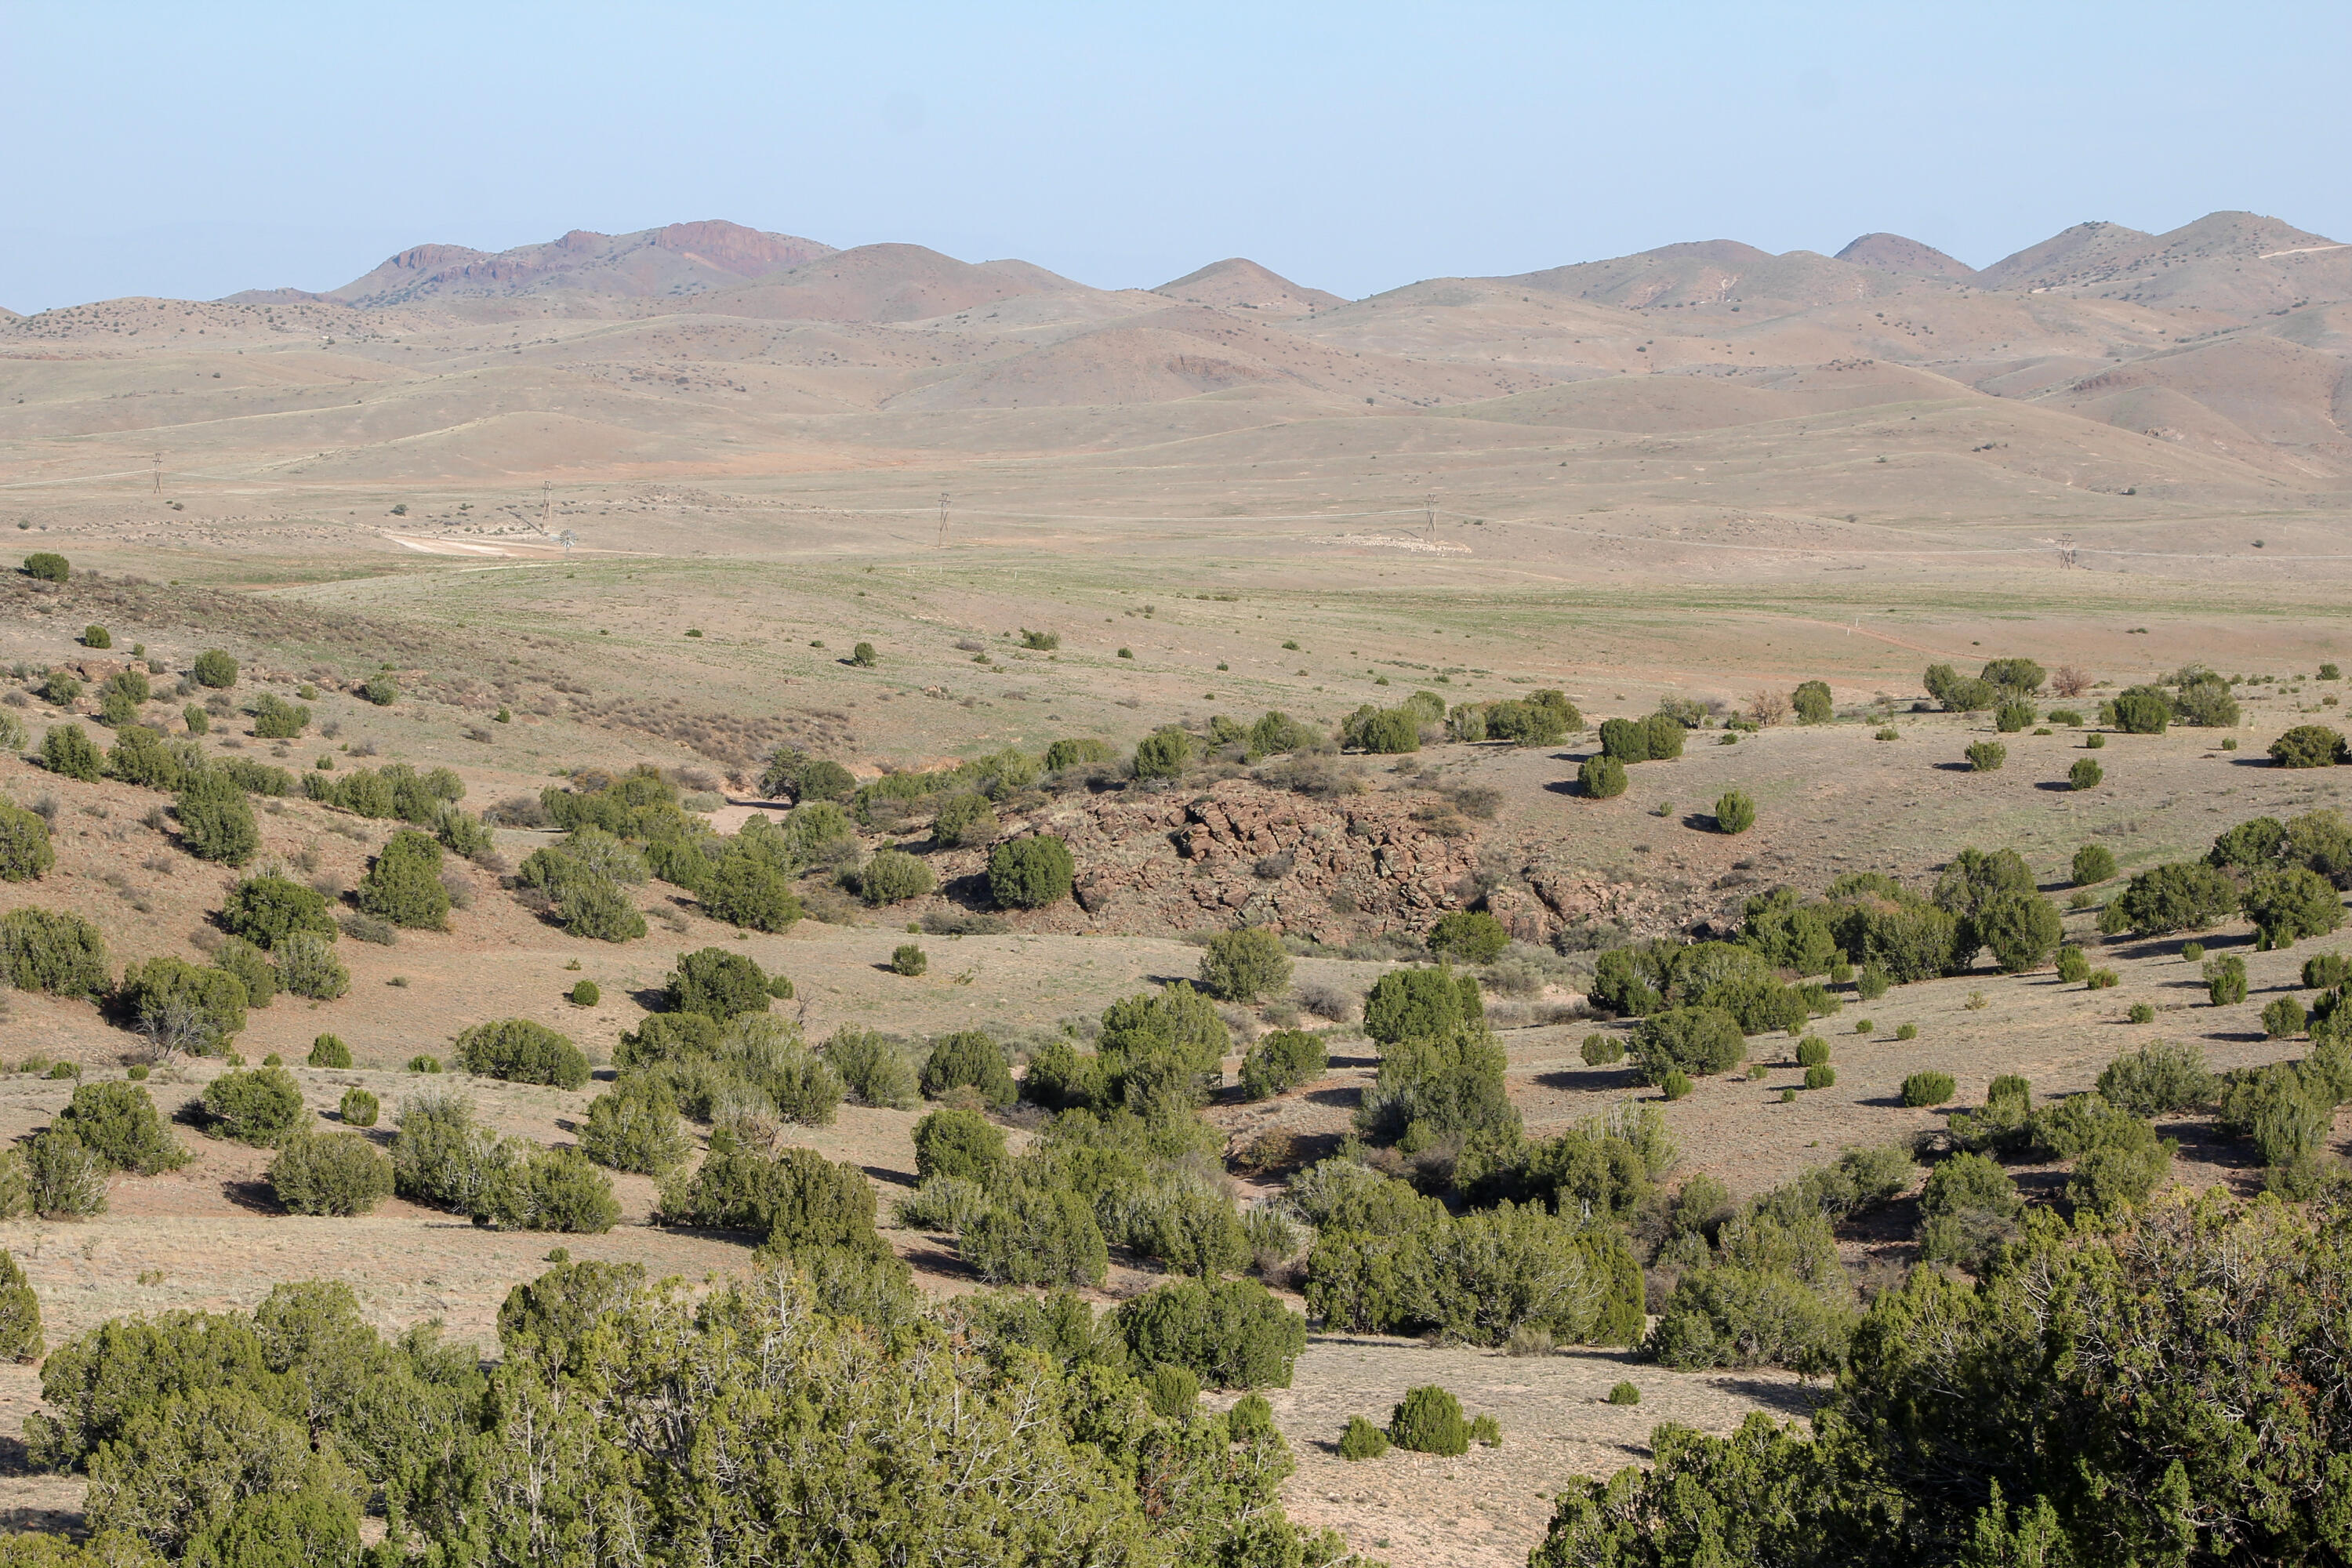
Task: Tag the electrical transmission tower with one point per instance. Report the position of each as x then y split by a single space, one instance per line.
1430 507
159 473
2065 551
944 519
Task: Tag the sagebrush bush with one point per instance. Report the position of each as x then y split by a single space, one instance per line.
2092 863
331 1174
118 1122
51 950
1600 1050
1243 965
909 960
1232 1334
239 957
1030 873
2225 980
63 1179
1987 756
257 1106
584 994
182 1007
47 567
521 1051
215 668
328 1051
308 966
275 719
358 1108
2308 746
1036 1236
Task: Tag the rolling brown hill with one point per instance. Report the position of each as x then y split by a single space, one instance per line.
1894 253
1237 283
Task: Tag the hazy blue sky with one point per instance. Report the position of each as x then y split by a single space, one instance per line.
195 149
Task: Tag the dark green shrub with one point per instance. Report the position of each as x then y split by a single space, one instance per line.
140 757
251 966
2292 903
1362 1440
68 752
2281 1018
1987 756
1602 1051
1626 739
47 950
328 1051
95 636
2101 980
2011 717
1812 702
1813 1051
1090 753
264 909
2073 968
753 894
1421 1005
275 719
864 657
2225 980
549 1190
873 1067
1870 984
1923 1088
215 668
1468 936
2308 746
909 960
1735 813
1602 777
595 908
893 876
1822 1077
961 1143
969 1057
965 819
2085 775
1429 1421
1164 753
717 983
1036 1236
1232 1334
1663 734
257 1106
402 884
331 1174
117 1122
634 1127
1695 1040
380 690
1280 1060
2142 711
20 1327
1968 1207
1244 966
1030 873
216 820
47 567
1624 1393
24 848
2093 863
358 1108
181 1008
521 1051
584 994
2185 896
1171 1392
795 1199
2324 972
2022 930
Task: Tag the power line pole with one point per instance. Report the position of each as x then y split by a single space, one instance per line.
1430 505
944 519
159 473
546 504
